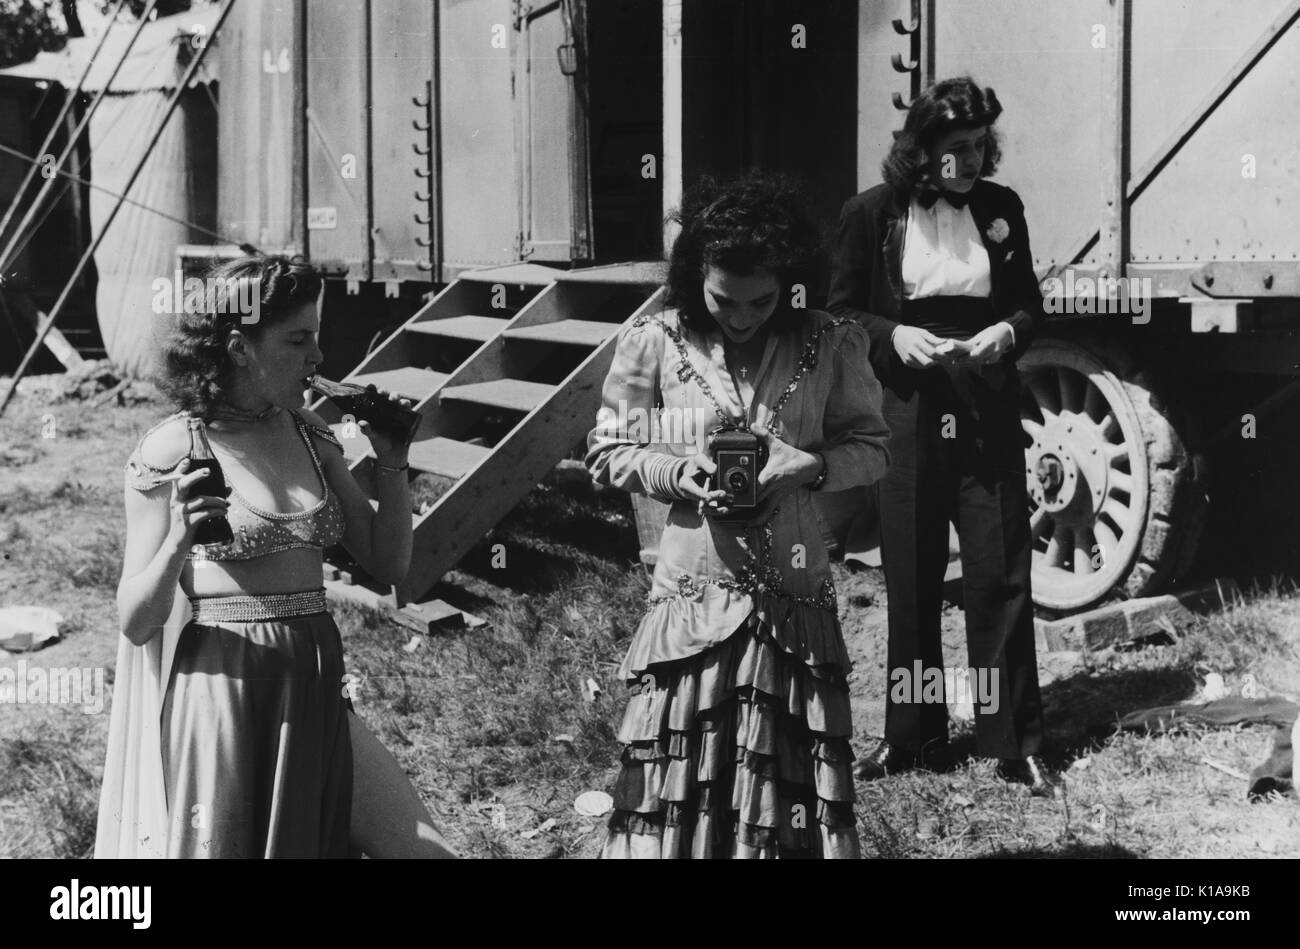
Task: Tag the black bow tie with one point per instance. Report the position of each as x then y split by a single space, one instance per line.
928 196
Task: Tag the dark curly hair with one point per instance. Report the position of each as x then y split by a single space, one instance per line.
759 221
945 106
196 371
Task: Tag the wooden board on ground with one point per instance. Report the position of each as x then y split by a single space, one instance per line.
1130 620
429 617
55 341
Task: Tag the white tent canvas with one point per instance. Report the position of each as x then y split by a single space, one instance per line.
178 183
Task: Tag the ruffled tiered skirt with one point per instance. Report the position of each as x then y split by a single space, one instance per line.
741 749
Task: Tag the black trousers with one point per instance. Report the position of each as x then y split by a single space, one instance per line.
958 456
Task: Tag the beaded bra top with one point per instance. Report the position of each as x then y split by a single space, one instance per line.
258 532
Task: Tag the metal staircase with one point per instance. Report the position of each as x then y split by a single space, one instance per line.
505 365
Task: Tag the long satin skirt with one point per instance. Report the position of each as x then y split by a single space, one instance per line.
257 760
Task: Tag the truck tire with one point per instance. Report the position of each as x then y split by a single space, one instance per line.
1117 502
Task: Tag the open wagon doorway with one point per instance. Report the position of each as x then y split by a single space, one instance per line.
624 91
765 84
772 84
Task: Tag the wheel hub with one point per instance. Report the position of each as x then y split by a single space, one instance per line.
1065 470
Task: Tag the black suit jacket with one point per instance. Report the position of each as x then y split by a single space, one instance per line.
867 282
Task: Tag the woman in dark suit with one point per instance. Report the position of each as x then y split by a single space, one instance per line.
935 264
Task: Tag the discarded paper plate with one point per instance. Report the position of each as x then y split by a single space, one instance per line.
593 803
23 628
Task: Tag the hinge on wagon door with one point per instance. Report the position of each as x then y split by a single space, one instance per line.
520 10
567 52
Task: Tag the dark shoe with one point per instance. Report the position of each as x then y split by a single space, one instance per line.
885 760
1030 771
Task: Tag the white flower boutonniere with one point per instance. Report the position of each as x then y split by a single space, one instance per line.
998 231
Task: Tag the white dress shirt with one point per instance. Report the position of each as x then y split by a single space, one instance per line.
943 253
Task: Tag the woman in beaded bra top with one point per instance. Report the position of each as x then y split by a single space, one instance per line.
234 737
736 735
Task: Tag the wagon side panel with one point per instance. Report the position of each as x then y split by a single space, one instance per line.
480 191
402 44
258 176
1230 194
1049 65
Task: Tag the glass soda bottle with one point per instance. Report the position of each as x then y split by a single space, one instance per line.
366 404
214 530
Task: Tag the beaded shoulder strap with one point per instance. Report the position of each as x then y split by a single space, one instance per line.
305 429
141 475
324 433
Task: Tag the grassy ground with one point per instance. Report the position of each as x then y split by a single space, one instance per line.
500 736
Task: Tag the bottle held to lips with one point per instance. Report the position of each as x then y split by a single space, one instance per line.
367 405
214 530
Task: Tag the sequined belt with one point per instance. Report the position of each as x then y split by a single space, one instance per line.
256 607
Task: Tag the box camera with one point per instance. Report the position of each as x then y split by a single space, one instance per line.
740 456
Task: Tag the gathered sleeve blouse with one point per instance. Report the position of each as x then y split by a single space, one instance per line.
668 387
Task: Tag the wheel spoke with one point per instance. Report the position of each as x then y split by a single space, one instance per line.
1115 452
1041 395
1109 542
1118 512
1039 523
1110 427
1094 403
1058 545
1032 429
1082 551
1063 387
1121 481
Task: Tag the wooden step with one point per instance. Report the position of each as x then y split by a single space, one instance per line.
518 395
555 418
527 274
590 333
409 381
636 273
477 328
446 457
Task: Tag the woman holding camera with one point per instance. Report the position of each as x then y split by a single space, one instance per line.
737 731
231 732
935 264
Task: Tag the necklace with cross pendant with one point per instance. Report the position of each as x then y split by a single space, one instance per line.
746 357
